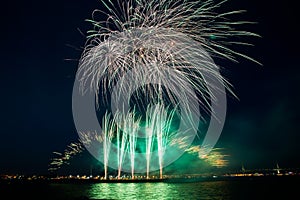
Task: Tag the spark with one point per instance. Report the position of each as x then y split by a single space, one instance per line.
214 158
60 159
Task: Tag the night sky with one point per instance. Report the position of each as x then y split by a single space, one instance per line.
40 47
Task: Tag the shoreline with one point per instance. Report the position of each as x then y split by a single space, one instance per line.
164 180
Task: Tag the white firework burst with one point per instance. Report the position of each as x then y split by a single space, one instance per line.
168 41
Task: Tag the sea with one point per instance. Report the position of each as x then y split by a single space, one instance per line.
253 189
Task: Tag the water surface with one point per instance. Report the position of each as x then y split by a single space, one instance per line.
214 190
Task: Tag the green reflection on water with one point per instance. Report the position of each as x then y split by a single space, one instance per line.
132 191
214 190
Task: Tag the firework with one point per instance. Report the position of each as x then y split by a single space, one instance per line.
60 159
106 137
158 125
215 158
154 53
168 41
129 128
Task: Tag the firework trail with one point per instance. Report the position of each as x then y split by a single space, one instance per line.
73 149
63 158
129 127
106 138
214 158
158 125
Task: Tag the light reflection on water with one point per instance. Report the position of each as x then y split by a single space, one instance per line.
203 190
251 189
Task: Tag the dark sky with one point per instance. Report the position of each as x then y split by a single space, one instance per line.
261 128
